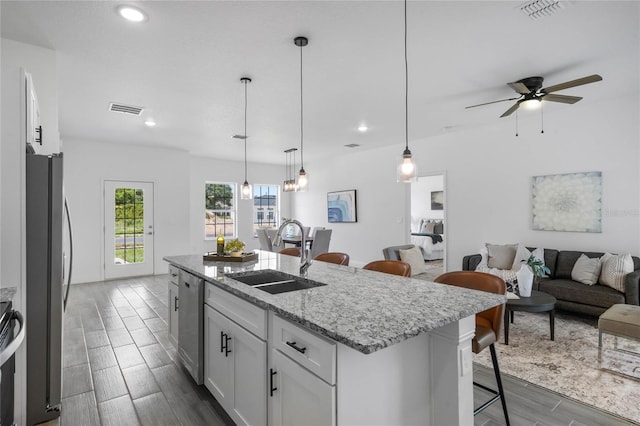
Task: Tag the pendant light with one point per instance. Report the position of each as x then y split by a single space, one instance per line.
290 170
245 193
303 177
407 170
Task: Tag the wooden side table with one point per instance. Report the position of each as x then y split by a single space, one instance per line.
537 302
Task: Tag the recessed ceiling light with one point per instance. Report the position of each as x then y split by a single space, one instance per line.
132 14
363 128
150 122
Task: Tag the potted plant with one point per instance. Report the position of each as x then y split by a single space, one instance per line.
234 247
531 268
538 267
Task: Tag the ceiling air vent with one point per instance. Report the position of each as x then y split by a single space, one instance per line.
352 145
125 109
537 9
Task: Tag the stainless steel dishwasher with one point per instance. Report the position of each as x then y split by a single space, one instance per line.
190 325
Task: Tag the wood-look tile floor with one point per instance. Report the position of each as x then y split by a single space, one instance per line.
119 368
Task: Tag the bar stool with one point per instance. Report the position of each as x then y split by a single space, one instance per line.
487 325
291 251
395 267
333 257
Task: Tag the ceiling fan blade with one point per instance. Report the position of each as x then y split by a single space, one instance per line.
493 102
561 98
573 83
511 110
519 87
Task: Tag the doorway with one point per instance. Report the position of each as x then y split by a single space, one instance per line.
128 229
428 213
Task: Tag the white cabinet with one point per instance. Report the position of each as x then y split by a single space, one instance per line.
302 376
297 396
173 304
235 368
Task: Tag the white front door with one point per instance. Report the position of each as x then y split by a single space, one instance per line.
128 229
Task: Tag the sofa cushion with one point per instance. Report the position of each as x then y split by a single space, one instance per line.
566 260
614 268
501 256
573 291
586 270
413 257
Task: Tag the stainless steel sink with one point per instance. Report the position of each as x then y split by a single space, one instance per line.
274 282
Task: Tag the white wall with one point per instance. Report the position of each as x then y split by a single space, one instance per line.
41 63
489 173
212 170
88 164
179 198
421 199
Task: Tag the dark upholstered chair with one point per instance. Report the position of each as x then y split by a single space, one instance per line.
291 251
488 324
333 257
395 267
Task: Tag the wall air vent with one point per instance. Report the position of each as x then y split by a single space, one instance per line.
125 109
537 9
352 145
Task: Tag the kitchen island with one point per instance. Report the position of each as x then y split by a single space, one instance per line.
379 349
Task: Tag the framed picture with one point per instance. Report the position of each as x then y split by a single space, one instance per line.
341 206
437 200
569 202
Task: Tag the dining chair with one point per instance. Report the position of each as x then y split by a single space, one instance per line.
291 251
315 229
321 242
488 324
264 240
395 267
334 257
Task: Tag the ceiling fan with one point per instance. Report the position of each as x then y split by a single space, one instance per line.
530 90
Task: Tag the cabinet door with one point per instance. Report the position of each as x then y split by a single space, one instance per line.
173 314
300 397
249 377
218 375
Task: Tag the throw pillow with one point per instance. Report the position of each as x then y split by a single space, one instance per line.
501 256
413 257
427 228
614 268
586 270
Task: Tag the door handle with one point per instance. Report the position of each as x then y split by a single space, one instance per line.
149 233
272 373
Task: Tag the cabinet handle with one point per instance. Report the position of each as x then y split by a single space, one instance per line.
227 351
175 303
297 348
222 341
174 275
39 132
187 284
272 373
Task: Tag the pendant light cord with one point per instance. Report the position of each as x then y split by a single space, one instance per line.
245 130
406 82
301 117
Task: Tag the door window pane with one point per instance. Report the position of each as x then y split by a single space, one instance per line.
129 226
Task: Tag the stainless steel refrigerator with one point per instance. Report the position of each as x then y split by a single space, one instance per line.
44 270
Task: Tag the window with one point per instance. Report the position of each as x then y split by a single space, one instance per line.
220 210
266 200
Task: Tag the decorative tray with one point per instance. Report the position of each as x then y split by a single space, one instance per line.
245 257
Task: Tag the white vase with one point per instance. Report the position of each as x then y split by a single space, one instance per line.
525 280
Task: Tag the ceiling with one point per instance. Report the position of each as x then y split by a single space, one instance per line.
184 64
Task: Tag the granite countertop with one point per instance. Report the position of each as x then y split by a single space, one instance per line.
362 309
7 293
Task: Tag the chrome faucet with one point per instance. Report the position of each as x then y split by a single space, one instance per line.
305 262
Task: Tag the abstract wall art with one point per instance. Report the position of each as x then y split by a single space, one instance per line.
341 206
569 202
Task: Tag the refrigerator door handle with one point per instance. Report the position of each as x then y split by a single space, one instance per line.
66 210
17 341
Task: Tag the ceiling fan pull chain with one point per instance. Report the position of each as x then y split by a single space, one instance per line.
541 119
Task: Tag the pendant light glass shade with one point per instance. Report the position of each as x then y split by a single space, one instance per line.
407 169
245 193
290 184
302 183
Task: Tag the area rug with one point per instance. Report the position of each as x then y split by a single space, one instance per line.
569 365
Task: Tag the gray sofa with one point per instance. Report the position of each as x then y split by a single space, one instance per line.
572 295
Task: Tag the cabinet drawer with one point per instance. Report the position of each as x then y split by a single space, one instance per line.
251 317
173 274
313 352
